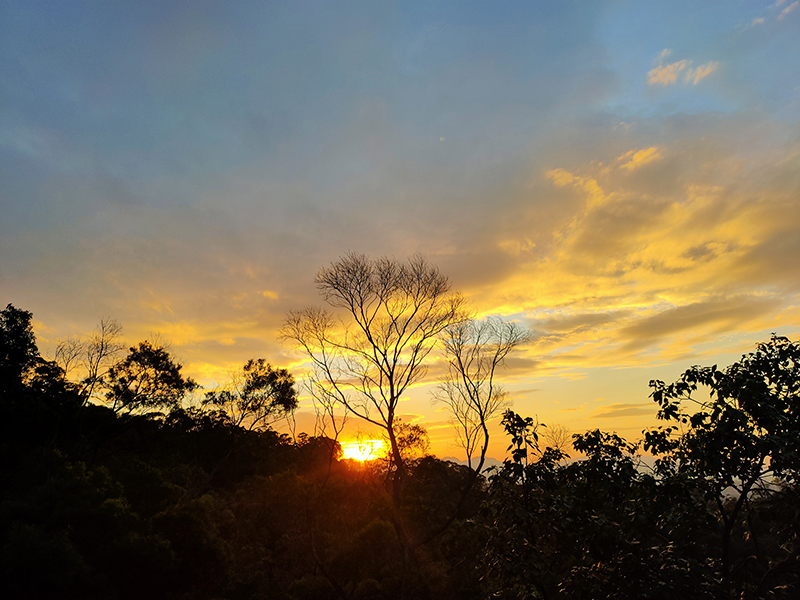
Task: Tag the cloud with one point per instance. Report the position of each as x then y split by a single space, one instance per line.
174 199
644 264
579 322
615 411
694 76
719 315
633 159
706 251
789 9
669 74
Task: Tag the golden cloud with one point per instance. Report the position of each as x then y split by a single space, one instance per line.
615 411
694 76
669 74
645 264
633 159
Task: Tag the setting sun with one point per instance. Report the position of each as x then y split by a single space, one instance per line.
363 450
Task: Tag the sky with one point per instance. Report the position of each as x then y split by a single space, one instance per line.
621 177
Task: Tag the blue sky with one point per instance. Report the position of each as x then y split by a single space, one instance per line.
623 177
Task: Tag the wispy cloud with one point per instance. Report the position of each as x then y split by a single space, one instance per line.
671 73
659 249
195 188
667 74
694 76
789 9
614 411
633 159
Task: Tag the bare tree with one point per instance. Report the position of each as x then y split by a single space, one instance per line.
558 437
331 417
92 358
474 351
393 315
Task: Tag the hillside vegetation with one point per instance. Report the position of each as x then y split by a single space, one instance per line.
114 488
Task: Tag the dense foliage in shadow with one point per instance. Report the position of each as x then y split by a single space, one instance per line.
716 516
189 502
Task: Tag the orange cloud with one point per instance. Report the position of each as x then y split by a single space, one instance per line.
694 76
633 159
669 74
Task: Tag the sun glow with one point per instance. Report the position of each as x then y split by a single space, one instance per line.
363 450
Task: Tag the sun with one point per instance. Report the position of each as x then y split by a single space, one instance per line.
363 450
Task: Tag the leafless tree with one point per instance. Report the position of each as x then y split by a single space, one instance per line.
69 353
331 417
557 437
390 315
474 351
394 313
91 358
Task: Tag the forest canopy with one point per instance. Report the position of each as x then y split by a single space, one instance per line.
133 493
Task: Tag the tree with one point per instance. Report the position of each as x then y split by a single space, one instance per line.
147 378
474 351
32 390
93 357
413 441
25 377
393 315
18 351
741 444
558 437
256 397
597 527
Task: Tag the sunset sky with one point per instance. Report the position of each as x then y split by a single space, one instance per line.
622 177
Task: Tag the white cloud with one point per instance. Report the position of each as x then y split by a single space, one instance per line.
787 10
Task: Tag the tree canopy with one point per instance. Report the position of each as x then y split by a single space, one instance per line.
257 396
210 503
147 378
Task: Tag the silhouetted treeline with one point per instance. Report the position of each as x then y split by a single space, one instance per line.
187 503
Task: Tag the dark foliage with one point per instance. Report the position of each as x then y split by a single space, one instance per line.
146 379
257 397
164 501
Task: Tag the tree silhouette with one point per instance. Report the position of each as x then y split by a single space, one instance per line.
474 351
147 378
91 357
393 315
257 396
741 442
18 352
